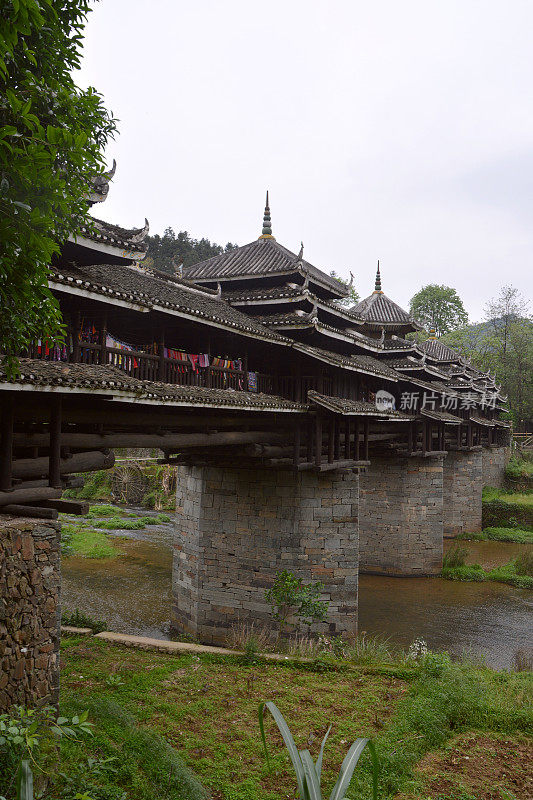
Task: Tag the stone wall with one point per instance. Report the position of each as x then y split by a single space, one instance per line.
494 462
238 528
400 519
29 611
463 485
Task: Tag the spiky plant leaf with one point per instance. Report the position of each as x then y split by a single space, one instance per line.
24 781
321 754
347 769
312 781
287 738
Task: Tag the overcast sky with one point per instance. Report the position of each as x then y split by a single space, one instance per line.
394 130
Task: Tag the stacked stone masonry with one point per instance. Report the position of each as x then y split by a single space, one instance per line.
494 462
463 485
238 528
29 612
401 516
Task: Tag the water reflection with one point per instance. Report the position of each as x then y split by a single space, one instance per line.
133 594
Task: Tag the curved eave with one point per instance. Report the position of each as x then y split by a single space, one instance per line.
108 249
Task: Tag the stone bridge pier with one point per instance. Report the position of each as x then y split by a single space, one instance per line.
401 516
237 528
463 486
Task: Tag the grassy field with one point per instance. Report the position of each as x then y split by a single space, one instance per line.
162 715
499 535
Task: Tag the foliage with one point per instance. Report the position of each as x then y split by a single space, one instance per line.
519 468
146 767
506 573
289 596
28 745
455 557
78 619
207 709
439 307
524 563
52 135
506 509
97 486
500 535
503 344
77 539
166 252
308 774
353 296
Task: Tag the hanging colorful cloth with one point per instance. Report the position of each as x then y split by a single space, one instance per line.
193 358
252 381
203 360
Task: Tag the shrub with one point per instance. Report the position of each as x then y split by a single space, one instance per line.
80 620
455 557
524 563
289 596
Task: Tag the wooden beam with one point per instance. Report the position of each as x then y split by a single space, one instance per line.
6 443
365 440
356 440
30 511
332 430
78 462
68 506
165 441
297 445
16 496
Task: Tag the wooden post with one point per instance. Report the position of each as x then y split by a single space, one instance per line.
103 339
459 435
331 440
76 333
297 442
356 439
410 437
337 445
318 440
469 435
54 458
347 438
162 356
365 440
6 443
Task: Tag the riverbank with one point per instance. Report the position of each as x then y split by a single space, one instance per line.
204 707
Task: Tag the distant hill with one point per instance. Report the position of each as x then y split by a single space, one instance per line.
162 250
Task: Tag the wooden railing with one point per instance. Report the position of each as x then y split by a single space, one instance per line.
150 367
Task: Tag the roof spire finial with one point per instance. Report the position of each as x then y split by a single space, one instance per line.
432 332
267 222
377 287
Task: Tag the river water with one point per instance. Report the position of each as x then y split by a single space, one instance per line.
489 620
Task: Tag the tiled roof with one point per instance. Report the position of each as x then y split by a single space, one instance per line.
262 257
487 423
396 343
358 363
105 233
53 375
341 405
441 352
290 319
135 285
442 416
257 293
378 309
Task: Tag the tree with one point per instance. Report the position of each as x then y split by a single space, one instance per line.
169 249
438 307
353 296
52 137
289 596
503 345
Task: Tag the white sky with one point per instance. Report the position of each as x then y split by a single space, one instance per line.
394 130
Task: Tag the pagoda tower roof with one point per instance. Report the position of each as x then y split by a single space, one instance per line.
379 311
264 258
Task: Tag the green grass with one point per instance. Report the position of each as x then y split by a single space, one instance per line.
86 542
204 707
516 573
500 535
511 498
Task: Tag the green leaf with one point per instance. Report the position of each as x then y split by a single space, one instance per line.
287 738
347 769
312 780
24 781
321 754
